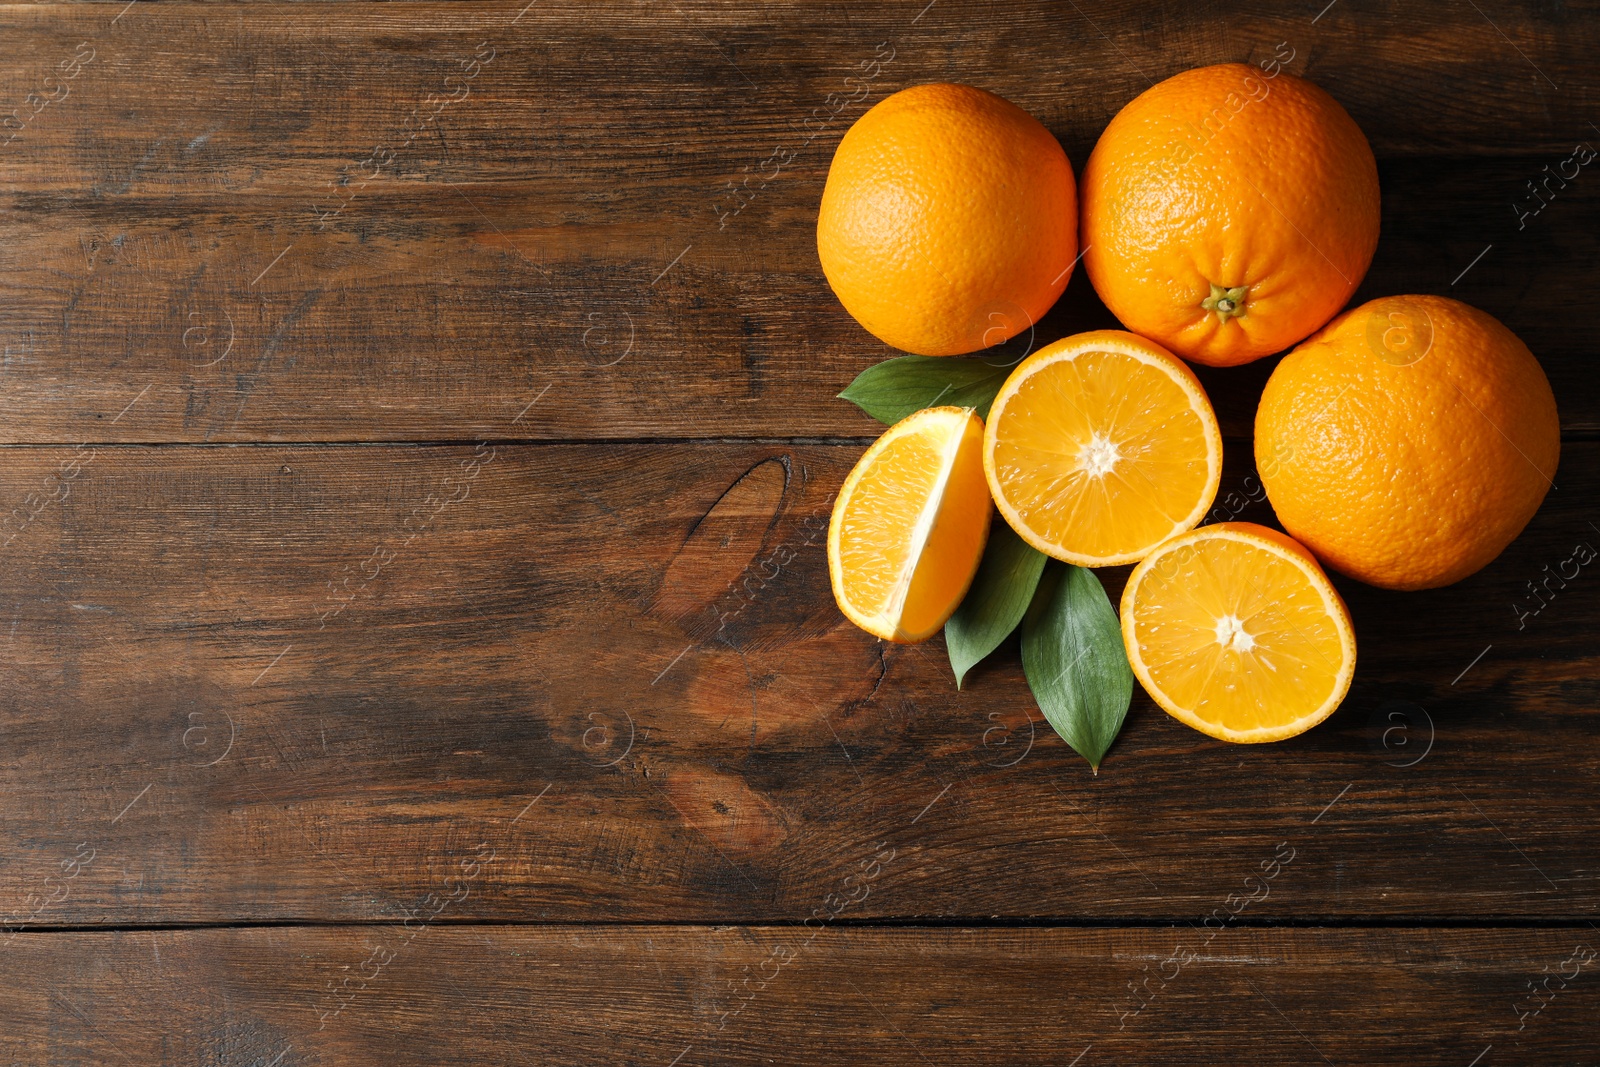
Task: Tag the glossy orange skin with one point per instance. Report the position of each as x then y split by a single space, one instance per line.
949 222
1409 442
1230 177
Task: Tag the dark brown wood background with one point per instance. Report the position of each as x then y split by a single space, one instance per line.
419 644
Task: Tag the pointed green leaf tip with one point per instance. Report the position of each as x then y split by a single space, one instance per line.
999 597
1073 657
895 388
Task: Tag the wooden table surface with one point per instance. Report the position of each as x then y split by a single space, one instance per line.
418 420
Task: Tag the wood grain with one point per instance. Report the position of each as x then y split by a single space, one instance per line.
258 230
329 736
655 996
407 646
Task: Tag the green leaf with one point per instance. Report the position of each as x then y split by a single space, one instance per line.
999 596
897 387
1073 657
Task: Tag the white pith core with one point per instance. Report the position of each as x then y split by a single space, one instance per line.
1099 456
1232 634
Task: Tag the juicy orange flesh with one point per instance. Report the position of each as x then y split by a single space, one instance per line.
879 529
1282 656
955 543
1101 454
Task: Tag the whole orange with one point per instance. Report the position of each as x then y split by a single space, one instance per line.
949 222
1409 442
1228 213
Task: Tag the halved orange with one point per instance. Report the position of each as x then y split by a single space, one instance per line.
1235 630
909 525
1100 447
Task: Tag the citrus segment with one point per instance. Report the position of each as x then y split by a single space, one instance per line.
909 525
1101 446
1236 631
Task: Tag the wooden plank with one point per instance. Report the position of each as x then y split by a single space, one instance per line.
208 228
278 683
686 996
1413 78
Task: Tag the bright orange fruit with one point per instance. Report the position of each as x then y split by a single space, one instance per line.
949 220
1236 631
1101 446
909 525
1228 214
1409 442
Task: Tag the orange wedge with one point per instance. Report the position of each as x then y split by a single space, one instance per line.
909 525
1100 447
1235 630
